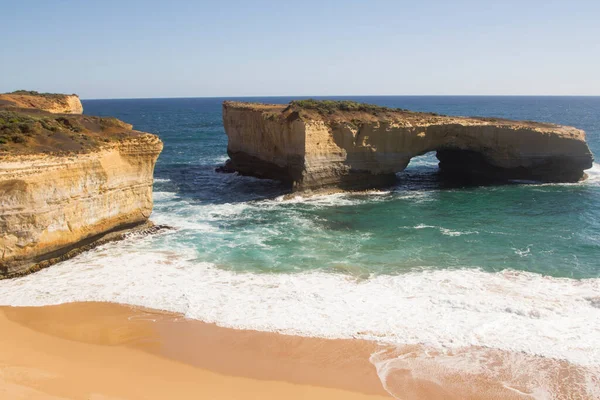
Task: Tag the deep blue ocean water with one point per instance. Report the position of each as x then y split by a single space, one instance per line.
418 224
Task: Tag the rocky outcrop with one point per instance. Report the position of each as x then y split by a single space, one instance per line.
313 144
66 183
50 102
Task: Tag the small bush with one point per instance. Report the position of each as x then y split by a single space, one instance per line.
45 124
34 93
70 124
25 128
10 129
332 106
29 128
49 126
25 92
63 120
18 139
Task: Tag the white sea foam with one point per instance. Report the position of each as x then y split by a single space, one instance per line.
333 199
423 226
354 198
164 196
445 231
593 178
326 200
426 161
523 252
484 373
161 180
593 174
220 159
416 196
509 310
191 216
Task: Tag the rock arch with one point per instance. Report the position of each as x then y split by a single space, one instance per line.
365 147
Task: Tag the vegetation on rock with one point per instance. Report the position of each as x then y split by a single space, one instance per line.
31 132
34 93
332 106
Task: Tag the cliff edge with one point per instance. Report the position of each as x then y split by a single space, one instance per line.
68 182
51 102
346 145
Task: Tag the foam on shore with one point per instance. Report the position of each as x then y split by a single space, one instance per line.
462 317
509 310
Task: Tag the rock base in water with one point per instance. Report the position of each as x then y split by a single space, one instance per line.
314 145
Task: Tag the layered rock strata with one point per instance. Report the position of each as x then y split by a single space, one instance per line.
346 145
67 183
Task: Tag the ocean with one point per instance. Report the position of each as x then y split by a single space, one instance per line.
513 267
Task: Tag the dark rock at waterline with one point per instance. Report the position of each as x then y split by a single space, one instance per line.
226 168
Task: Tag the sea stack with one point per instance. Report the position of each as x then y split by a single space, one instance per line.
314 145
68 182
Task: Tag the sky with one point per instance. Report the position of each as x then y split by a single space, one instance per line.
175 48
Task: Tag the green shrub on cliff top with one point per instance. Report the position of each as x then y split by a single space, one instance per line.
332 106
15 127
34 93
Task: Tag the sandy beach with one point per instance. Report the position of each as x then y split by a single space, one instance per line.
104 351
107 351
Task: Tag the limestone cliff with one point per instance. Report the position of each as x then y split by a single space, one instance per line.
66 182
50 102
311 144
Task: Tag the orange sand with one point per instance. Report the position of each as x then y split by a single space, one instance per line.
101 351
105 351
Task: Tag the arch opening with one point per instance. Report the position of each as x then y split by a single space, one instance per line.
452 167
422 172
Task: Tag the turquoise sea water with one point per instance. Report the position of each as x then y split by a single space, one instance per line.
419 223
464 271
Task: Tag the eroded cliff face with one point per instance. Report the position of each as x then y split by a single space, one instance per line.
68 182
51 204
53 103
353 146
263 145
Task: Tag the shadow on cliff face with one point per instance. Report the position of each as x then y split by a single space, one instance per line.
201 183
424 173
437 179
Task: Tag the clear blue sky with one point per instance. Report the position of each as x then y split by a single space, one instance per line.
116 49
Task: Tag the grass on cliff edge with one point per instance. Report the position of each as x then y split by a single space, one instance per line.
350 112
333 106
33 132
34 93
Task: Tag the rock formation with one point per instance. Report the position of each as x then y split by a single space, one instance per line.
50 102
67 182
324 144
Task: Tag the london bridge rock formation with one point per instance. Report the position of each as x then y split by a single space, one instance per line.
68 182
346 145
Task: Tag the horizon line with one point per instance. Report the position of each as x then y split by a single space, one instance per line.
345 95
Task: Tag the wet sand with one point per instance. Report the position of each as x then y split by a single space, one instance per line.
107 351
104 351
